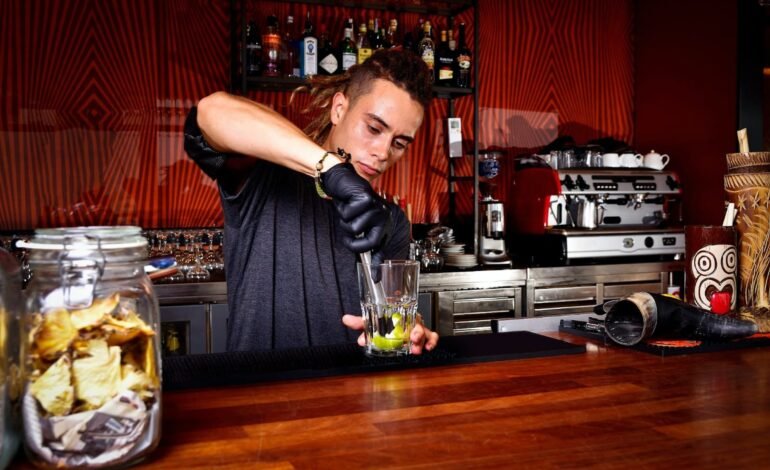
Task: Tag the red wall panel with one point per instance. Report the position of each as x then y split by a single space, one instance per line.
686 60
94 95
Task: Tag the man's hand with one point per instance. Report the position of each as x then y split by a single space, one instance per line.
421 336
362 211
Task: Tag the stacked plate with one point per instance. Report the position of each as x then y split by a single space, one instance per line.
461 260
452 249
446 239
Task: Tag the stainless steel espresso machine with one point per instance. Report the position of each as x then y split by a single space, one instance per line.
596 213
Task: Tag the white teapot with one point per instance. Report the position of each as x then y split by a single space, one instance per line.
655 160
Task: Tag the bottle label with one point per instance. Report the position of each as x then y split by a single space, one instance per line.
427 56
271 40
329 64
348 60
363 54
309 60
271 45
464 61
445 73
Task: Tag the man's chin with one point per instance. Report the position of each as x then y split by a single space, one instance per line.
366 173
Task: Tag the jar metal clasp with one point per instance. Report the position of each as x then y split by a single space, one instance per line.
79 276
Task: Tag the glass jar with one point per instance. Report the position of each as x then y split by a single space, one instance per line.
92 372
489 163
10 308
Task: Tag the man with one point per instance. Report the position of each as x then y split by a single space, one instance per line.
290 253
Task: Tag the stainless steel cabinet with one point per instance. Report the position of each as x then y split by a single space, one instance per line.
218 315
577 289
472 311
466 302
183 330
193 317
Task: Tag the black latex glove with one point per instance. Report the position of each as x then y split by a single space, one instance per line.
365 215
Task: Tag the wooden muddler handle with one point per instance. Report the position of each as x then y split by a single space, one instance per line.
743 141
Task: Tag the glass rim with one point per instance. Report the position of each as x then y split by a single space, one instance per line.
396 262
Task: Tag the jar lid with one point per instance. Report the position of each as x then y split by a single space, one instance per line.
86 238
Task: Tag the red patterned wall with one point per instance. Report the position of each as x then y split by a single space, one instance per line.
94 94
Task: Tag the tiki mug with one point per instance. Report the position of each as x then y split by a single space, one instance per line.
711 261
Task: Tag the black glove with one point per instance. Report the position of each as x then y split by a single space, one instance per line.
365 215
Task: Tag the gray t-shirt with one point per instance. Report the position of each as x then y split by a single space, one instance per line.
289 276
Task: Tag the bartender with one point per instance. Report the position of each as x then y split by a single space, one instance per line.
299 206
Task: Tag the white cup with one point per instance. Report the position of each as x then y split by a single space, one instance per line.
629 160
655 160
611 160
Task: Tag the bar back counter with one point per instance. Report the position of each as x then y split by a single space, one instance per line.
194 315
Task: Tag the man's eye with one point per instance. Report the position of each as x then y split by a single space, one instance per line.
399 145
374 130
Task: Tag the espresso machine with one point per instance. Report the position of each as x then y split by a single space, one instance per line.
492 250
573 214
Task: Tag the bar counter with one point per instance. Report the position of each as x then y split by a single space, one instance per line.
608 407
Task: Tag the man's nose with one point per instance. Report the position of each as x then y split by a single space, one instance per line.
382 150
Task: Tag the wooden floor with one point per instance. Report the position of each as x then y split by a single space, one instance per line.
608 408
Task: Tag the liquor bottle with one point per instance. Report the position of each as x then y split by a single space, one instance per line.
444 62
450 36
409 44
348 52
271 48
328 63
370 31
253 50
308 50
426 48
363 45
463 61
391 37
377 37
289 53
417 35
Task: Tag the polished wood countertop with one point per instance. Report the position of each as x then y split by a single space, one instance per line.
609 408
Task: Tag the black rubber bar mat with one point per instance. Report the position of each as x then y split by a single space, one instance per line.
578 328
238 368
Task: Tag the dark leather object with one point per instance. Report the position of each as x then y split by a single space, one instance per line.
644 315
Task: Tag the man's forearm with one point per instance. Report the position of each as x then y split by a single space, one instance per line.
236 125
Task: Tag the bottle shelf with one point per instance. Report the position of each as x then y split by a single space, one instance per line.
241 83
292 83
437 7
275 83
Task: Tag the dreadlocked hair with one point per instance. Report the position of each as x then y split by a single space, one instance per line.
398 66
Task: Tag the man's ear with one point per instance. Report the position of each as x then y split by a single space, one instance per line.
339 107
